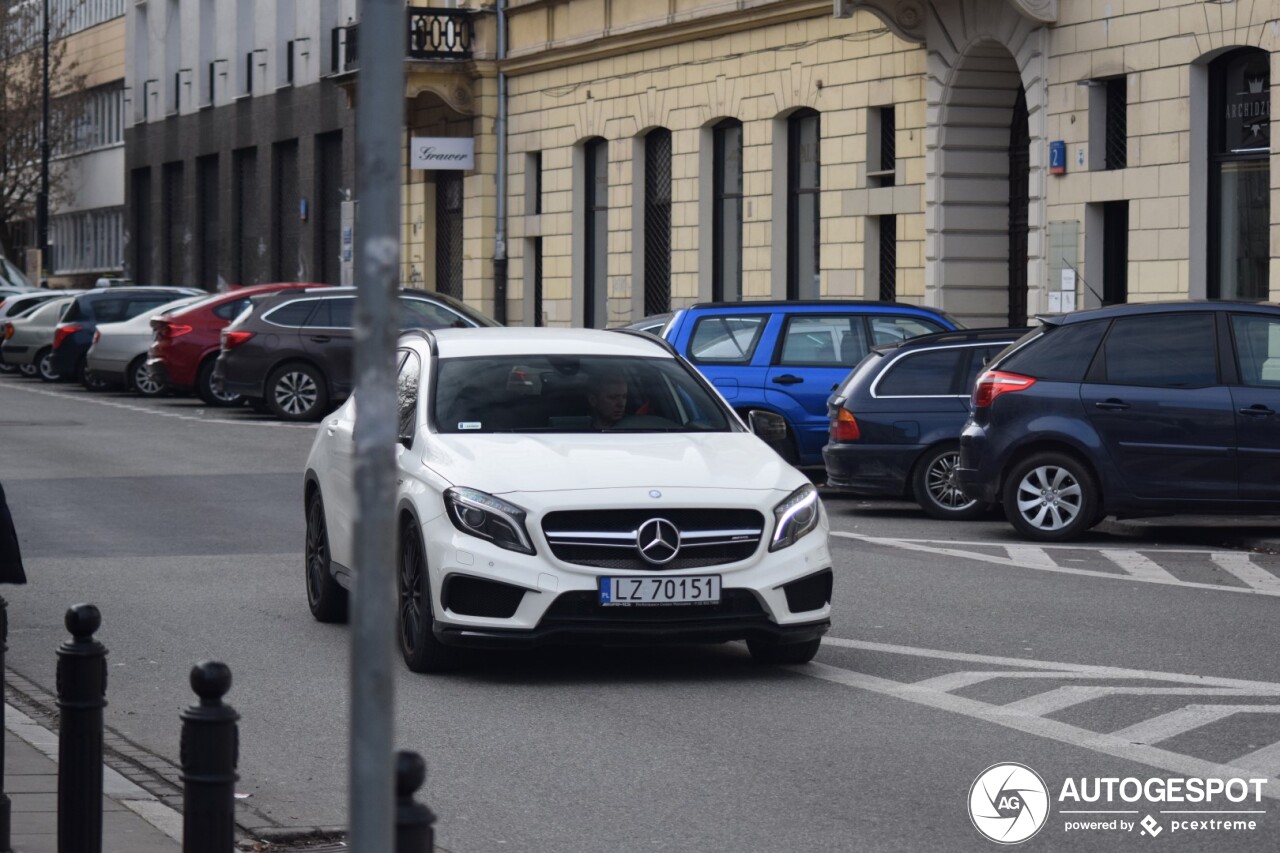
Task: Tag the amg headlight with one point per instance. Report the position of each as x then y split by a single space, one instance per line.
486 517
795 516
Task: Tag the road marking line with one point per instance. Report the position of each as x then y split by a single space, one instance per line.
1030 555
1059 666
1004 561
957 680
1116 747
1243 568
991 544
131 407
1139 566
1185 719
1265 760
1052 701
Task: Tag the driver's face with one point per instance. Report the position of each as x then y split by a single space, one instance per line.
610 402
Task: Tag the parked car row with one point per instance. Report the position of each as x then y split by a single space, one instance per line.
284 348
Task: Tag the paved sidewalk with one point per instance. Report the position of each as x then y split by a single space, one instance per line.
31 781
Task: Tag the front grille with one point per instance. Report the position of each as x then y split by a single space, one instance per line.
607 539
584 606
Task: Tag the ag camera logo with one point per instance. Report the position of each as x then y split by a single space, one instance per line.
1008 803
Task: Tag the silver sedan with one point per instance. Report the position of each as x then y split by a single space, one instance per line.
28 341
118 355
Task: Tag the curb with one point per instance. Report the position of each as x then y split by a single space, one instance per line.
1243 533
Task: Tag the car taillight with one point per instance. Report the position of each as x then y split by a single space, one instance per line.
230 340
8 331
97 335
844 427
63 332
174 330
993 383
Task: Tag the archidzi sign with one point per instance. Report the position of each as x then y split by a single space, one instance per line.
442 152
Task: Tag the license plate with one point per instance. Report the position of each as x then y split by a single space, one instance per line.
703 589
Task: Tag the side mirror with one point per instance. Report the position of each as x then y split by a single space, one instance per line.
770 427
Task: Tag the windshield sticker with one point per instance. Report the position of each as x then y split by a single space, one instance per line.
470 425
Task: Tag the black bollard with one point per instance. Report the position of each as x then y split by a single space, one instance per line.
210 750
82 694
414 833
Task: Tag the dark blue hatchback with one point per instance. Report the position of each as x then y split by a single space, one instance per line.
1132 410
894 423
74 335
787 357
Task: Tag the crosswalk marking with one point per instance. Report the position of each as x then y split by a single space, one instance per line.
1242 567
1185 719
1135 742
1138 565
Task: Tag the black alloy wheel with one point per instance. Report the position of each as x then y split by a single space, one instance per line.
207 392
325 596
421 650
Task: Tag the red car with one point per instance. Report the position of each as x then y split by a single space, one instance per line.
186 343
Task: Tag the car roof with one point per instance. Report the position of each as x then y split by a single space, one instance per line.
540 340
1138 308
962 336
110 292
768 304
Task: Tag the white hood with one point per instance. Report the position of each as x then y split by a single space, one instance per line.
502 463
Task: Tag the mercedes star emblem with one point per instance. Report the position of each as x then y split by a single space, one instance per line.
658 541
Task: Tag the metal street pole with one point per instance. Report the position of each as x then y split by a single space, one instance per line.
42 200
379 118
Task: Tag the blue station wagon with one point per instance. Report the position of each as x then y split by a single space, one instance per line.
787 357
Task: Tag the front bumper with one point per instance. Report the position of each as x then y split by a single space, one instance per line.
15 355
560 601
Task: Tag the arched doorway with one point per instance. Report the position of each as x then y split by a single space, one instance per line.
1019 198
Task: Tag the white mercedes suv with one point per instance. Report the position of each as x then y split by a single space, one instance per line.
575 485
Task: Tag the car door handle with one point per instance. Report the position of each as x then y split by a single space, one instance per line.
320 339
1257 410
1112 405
787 379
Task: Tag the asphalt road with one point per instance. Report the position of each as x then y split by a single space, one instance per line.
954 647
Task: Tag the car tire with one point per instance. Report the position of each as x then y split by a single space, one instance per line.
421 651
141 380
44 366
297 392
1051 497
28 370
771 651
325 596
90 381
205 390
936 489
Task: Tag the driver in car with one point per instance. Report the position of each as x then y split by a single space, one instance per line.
607 398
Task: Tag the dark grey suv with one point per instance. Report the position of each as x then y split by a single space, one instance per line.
291 354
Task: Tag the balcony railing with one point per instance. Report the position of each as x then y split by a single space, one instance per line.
432 34
440 33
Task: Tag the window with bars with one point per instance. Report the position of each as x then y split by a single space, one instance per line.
882 155
888 258
804 237
449 233
657 221
596 266
726 266
90 241
1117 133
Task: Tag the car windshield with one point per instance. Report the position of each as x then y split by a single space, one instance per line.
572 394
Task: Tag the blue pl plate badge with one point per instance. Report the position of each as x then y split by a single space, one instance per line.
604 591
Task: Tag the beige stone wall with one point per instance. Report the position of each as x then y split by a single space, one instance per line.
839 67
99 52
1160 45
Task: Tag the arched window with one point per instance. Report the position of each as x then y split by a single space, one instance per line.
726 275
1239 175
804 238
596 244
657 221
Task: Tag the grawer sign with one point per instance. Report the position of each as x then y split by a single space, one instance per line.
1010 803
442 152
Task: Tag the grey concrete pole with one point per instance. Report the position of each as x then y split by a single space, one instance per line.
379 118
